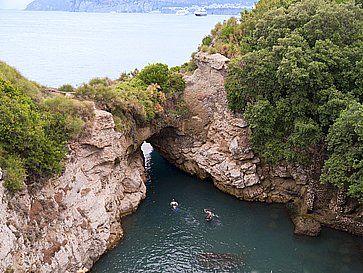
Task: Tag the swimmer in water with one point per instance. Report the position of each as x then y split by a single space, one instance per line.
209 215
174 204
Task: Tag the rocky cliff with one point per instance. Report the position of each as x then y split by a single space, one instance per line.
214 143
66 225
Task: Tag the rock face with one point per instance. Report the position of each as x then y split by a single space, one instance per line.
214 143
67 224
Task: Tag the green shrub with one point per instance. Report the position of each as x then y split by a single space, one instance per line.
69 106
66 88
188 67
296 67
207 40
176 82
141 102
15 173
137 96
28 133
307 79
344 166
100 81
11 75
155 74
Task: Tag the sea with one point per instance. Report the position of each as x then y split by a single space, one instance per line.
54 48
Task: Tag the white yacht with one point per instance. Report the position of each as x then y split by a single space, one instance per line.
201 12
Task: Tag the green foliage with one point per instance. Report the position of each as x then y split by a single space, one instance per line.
34 129
100 92
11 75
66 88
225 38
74 112
140 101
187 67
296 67
15 172
155 74
30 138
207 40
176 83
160 74
135 96
344 167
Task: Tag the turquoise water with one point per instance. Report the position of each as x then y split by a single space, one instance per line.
246 237
54 48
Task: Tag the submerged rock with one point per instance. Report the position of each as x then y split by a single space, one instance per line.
219 261
305 225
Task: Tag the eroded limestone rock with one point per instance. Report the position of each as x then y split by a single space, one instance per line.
67 224
214 143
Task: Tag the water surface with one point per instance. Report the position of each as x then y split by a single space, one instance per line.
54 48
246 237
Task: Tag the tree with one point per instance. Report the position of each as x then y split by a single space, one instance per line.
344 168
25 140
299 67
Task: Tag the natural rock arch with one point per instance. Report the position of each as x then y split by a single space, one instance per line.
69 223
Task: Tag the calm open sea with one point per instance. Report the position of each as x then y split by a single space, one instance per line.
54 48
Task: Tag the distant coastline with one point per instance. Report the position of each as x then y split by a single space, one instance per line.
217 7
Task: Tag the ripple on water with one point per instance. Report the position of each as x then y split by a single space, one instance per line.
246 237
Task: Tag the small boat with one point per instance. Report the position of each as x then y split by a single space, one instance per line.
182 12
201 12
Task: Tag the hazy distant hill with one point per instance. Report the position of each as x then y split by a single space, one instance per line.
163 6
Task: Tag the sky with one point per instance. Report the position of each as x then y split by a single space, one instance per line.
14 4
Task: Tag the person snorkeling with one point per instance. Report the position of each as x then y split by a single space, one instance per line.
209 215
174 204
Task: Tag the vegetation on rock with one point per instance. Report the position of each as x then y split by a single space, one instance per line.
34 129
137 96
344 167
66 88
11 75
296 73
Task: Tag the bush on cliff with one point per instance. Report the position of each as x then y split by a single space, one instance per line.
155 74
136 96
11 75
74 112
66 88
26 138
34 129
296 68
344 166
168 80
15 172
